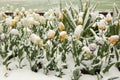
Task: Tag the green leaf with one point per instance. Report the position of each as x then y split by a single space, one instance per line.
117 54
113 78
76 74
108 67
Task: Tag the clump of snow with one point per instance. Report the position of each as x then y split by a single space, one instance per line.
88 77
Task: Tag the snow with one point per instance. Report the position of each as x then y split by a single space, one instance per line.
113 72
27 74
88 77
24 74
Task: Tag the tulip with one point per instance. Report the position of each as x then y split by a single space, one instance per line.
36 16
94 15
113 39
14 32
108 17
78 31
63 35
100 41
87 52
3 15
36 10
2 36
42 20
61 26
23 9
17 12
17 18
26 22
51 34
80 21
8 21
36 39
92 47
13 22
86 49
102 25
60 18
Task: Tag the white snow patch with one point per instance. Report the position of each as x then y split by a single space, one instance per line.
25 74
113 72
88 77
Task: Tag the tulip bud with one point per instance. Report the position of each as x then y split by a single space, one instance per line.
14 32
51 34
42 20
108 17
63 35
87 52
16 13
80 21
60 18
102 25
113 39
2 15
23 10
17 18
78 31
13 23
86 49
2 36
36 39
61 26
92 47
100 41
36 10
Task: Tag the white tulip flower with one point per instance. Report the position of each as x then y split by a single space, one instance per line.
14 32
8 21
78 31
42 20
36 39
63 35
102 25
108 17
86 49
51 34
80 21
2 36
25 22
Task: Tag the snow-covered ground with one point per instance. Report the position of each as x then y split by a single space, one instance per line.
26 74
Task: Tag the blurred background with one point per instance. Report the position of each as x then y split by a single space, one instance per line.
44 5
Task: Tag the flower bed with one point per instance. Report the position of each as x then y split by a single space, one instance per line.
79 41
